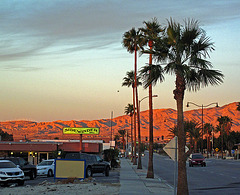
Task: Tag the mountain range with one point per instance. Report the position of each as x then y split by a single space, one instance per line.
164 119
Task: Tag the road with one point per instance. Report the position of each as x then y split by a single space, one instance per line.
218 177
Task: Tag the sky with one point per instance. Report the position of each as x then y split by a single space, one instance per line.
64 59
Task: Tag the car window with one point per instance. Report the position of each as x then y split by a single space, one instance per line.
22 161
45 163
197 157
14 160
98 158
7 165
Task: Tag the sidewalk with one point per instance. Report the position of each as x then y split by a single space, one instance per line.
134 181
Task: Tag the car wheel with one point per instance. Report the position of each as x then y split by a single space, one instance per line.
107 171
89 172
50 173
31 175
21 183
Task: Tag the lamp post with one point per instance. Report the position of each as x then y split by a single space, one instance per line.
142 100
202 106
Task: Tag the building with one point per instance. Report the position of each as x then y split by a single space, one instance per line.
35 151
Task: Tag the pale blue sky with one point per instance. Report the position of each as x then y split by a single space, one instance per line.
63 60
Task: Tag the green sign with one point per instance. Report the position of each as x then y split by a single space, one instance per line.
80 130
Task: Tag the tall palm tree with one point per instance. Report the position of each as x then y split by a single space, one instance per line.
208 129
129 110
132 41
151 32
188 50
122 134
225 124
129 81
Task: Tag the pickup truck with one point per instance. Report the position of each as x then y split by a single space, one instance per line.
94 164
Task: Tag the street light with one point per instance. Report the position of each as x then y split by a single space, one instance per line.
202 106
142 100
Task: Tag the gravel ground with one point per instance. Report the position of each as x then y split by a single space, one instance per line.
69 186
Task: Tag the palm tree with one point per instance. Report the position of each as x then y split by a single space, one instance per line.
188 50
122 134
151 32
238 106
116 139
132 41
194 132
129 110
129 81
208 129
225 124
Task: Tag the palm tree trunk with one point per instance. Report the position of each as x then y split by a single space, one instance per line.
139 134
182 186
222 140
134 128
150 173
134 103
132 137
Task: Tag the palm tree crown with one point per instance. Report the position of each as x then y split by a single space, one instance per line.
129 80
133 40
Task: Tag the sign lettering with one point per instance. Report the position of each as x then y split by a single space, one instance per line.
80 130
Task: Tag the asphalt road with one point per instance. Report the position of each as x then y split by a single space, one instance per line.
218 177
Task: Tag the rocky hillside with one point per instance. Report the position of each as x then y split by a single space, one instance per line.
163 120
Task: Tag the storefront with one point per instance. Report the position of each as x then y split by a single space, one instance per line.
36 151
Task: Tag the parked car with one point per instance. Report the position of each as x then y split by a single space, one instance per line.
28 169
46 167
94 164
10 173
196 159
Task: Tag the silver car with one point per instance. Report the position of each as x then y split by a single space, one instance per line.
10 173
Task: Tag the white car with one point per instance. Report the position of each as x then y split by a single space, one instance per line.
10 173
46 167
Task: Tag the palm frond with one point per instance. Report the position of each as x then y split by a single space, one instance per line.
152 74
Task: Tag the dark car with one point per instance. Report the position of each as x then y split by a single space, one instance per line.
94 164
28 169
197 159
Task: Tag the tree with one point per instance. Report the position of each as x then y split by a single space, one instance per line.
193 129
122 134
238 106
132 41
188 48
116 139
4 136
225 124
208 129
129 111
151 32
129 81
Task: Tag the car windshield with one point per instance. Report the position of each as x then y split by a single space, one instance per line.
197 157
7 165
45 163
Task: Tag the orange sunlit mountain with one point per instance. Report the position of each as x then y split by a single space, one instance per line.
164 119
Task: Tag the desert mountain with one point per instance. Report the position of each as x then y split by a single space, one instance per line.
164 119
